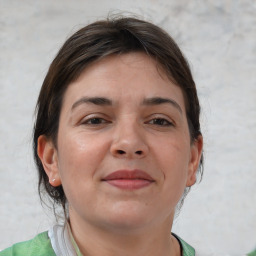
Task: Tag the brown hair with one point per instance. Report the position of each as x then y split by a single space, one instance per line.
94 42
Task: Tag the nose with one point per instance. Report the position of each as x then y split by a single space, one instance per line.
129 142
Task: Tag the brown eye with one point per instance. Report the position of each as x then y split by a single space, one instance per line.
160 122
95 121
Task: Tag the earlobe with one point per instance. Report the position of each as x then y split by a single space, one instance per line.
48 155
195 157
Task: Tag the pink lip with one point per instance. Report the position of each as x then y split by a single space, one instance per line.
126 179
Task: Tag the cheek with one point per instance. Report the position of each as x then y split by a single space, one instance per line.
79 155
78 159
174 161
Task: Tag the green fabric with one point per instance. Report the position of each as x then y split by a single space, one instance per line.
252 253
38 246
187 250
41 246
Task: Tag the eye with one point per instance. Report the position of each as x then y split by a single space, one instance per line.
160 122
94 121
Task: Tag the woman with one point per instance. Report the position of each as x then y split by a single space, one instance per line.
117 142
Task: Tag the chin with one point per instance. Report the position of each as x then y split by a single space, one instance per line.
128 218
127 226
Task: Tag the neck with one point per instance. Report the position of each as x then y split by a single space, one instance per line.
97 241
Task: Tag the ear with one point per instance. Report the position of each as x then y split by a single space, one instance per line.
48 155
195 156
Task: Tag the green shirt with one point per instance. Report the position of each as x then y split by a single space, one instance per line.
38 246
253 253
41 246
187 250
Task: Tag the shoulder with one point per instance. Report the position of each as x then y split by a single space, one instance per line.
40 245
187 250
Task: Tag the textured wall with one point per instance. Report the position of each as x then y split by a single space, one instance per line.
219 39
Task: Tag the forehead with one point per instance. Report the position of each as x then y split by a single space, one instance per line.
123 77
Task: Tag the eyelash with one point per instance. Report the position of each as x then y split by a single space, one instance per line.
163 122
90 121
157 121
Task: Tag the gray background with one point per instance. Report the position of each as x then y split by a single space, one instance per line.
219 39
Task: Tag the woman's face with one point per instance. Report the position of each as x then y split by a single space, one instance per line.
124 155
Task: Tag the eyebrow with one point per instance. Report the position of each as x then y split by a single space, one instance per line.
93 100
101 101
160 100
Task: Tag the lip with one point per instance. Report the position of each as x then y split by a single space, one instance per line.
129 179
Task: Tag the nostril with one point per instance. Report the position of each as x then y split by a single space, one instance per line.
121 152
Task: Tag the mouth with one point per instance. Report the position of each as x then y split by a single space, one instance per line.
129 179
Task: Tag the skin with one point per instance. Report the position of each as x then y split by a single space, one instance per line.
132 132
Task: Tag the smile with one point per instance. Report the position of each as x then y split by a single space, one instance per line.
129 180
